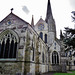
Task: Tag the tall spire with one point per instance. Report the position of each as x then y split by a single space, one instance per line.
49 11
32 22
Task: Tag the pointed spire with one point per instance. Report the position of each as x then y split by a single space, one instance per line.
32 22
61 35
49 11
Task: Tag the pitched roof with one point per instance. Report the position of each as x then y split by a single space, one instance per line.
12 14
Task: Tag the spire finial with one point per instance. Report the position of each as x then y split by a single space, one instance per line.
32 22
12 10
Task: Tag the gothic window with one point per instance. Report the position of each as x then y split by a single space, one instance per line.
45 38
41 35
8 46
55 58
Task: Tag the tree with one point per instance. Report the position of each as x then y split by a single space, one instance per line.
69 36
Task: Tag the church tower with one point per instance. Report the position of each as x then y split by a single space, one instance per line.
51 24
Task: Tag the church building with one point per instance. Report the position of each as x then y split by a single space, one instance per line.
28 49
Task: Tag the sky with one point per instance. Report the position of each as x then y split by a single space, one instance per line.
61 10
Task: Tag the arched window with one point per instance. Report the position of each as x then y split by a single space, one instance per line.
41 35
45 38
8 45
55 58
43 57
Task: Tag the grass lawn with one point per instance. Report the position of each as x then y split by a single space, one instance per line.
65 73
73 71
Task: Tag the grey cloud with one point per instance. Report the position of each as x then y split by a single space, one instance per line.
25 9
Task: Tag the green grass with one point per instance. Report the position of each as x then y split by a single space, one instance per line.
64 73
73 71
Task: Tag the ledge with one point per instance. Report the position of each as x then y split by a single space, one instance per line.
8 59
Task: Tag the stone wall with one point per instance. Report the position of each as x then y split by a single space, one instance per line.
10 68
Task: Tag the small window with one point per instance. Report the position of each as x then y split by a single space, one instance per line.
41 35
74 63
45 38
43 57
69 53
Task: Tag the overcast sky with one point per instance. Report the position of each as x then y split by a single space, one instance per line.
61 10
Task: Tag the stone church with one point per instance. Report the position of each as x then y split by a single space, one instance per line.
28 49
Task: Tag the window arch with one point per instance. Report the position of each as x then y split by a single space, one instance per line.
55 58
45 38
41 35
